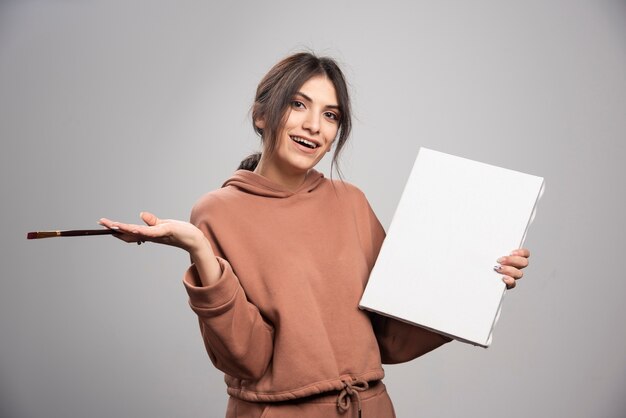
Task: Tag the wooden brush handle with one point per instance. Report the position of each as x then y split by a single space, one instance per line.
70 233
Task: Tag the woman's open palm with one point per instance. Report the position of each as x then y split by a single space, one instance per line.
163 231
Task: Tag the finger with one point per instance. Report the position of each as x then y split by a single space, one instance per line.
127 232
149 218
128 229
146 233
516 274
522 252
514 261
509 281
107 223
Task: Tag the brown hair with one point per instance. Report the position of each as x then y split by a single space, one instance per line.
275 93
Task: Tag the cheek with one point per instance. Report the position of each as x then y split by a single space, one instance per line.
330 145
331 132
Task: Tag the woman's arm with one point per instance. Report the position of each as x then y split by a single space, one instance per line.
400 342
237 338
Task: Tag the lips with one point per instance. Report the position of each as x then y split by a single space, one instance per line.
305 142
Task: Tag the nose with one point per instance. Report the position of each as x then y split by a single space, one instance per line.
312 122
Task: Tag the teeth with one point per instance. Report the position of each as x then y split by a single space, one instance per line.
304 142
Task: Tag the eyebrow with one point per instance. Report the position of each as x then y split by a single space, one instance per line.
310 100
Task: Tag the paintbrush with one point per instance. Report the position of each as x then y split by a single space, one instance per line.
70 233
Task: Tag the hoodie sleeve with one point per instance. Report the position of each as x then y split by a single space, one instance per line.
398 341
237 338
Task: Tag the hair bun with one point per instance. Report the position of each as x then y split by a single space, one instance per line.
250 162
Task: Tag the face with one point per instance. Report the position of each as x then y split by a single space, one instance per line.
310 128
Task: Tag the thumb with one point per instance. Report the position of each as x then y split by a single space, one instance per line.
149 218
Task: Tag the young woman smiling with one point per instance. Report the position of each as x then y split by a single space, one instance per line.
280 257
309 130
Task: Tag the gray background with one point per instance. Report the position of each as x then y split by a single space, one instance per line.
108 108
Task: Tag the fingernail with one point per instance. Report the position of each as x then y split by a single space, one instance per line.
497 268
500 260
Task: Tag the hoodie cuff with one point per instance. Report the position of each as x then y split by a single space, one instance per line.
215 298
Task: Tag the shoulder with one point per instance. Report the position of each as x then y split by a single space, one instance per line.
348 190
212 204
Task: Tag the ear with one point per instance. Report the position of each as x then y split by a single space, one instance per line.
260 123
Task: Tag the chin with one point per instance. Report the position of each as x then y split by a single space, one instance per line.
299 162
307 165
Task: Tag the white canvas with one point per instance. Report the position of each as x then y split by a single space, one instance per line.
435 268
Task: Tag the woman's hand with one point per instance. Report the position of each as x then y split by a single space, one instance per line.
177 234
511 266
163 231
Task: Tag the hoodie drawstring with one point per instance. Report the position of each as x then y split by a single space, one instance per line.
351 390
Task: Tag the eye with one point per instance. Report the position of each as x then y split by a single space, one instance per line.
332 116
297 104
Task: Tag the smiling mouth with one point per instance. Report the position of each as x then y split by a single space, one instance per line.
304 142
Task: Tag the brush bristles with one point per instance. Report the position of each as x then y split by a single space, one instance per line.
43 234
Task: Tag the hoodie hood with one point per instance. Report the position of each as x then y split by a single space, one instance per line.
256 184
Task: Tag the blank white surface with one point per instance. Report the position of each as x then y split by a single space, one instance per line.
451 205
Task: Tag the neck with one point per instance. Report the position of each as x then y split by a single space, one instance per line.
291 180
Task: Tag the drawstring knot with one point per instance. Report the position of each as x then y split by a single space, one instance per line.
350 391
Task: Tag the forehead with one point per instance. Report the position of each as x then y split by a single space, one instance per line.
320 89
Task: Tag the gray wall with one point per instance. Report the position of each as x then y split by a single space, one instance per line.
108 108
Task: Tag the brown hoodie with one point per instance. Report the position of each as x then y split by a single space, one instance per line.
283 320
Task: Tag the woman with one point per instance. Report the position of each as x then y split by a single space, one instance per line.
280 257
